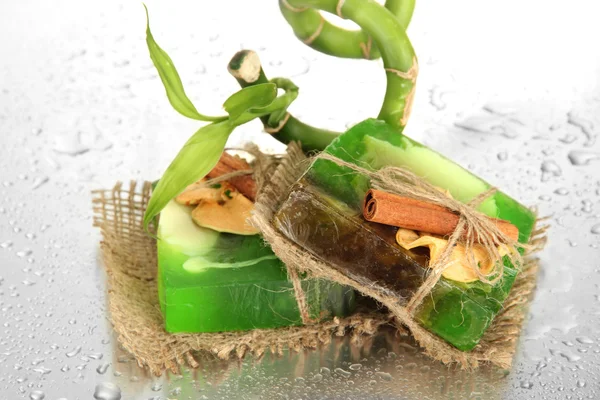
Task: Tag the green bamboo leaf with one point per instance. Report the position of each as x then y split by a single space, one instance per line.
253 96
197 157
171 80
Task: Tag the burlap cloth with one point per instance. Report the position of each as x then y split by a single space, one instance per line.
130 262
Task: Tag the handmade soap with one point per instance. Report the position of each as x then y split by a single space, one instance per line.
211 282
323 214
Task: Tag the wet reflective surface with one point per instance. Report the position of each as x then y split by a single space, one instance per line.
81 107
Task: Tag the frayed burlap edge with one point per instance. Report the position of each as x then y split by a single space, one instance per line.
497 346
129 257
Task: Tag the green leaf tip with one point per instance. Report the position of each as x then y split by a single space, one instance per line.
171 80
257 96
197 157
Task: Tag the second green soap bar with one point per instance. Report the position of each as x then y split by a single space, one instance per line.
213 282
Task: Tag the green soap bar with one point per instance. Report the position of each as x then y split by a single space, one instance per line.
212 282
327 200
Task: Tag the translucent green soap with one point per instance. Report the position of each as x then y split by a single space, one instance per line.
323 214
213 282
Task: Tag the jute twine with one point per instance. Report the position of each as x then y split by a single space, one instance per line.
499 342
130 262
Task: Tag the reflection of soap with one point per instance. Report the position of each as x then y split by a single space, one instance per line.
323 214
211 282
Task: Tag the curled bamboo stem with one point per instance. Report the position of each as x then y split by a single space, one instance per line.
389 37
312 29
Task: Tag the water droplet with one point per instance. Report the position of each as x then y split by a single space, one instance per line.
549 169
568 138
73 352
584 340
65 368
586 126
595 229
325 371
102 368
343 372
37 361
436 98
355 367
562 191
42 370
39 182
107 391
579 157
28 283
586 206
24 253
37 395
317 378
175 392
6 245
526 384
580 383
95 356
156 386
384 375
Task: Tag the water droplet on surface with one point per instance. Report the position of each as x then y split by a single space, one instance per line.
384 375
6 245
595 229
37 361
355 367
156 386
584 340
42 370
175 392
37 395
343 372
562 191
95 356
23 253
549 169
65 368
107 391
102 368
526 384
39 182
579 157
580 383
586 126
73 352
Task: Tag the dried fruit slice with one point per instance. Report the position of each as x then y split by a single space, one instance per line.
228 214
459 269
199 192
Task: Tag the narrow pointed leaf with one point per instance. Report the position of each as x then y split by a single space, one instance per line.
253 96
171 80
197 157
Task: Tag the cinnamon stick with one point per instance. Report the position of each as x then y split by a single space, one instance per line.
228 164
405 212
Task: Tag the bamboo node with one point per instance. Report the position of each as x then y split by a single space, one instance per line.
292 8
311 38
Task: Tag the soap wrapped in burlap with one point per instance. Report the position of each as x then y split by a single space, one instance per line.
129 256
498 344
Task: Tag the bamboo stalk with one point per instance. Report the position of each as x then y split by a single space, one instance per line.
396 50
245 67
310 27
